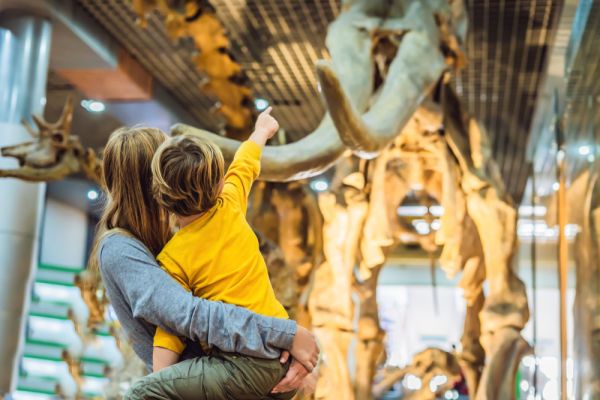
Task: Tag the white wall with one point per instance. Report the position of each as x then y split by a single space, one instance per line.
408 315
64 235
414 321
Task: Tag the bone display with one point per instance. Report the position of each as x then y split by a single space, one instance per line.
53 154
224 75
394 130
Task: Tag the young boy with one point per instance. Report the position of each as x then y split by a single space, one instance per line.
215 253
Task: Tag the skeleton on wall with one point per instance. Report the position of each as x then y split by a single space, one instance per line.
53 154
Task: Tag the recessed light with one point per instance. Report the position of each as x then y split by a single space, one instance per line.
584 150
261 104
93 105
319 185
92 194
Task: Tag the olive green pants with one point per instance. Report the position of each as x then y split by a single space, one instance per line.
219 376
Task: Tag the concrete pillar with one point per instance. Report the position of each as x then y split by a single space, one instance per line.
24 56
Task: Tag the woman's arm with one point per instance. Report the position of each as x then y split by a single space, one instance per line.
154 296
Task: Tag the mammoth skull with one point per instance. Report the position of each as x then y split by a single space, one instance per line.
362 118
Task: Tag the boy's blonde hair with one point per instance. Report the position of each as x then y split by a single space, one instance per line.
187 175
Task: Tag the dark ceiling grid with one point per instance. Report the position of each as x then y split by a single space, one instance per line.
515 178
291 70
247 56
506 53
549 164
308 60
497 43
291 53
267 72
284 61
545 20
513 129
518 178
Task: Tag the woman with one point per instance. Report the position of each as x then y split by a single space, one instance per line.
133 230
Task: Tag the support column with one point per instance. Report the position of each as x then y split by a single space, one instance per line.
24 56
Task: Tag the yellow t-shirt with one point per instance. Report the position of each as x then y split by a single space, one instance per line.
217 255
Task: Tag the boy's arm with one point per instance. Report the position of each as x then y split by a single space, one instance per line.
163 358
242 172
245 167
167 349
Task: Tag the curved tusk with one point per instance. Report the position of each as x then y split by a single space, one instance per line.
303 159
417 67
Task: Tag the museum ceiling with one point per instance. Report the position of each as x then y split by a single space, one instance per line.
278 41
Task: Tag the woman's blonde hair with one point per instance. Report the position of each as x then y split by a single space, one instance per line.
130 207
187 175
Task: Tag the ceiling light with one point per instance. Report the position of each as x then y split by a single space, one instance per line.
436 211
412 382
555 186
412 211
584 150
261 104
421 226
93 105
92 194
319 185
529 211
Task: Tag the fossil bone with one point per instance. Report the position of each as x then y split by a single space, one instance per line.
505 310
225 79
53 154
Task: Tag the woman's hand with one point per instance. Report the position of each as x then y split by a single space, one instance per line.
304 348
294 378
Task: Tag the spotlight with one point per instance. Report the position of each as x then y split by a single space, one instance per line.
261 104
412 382
412 211
584 150
436 211
93 105
319 185
555 186
92 194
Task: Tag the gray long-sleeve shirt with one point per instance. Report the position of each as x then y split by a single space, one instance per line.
144 296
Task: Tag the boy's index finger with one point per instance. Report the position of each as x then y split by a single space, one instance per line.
268 110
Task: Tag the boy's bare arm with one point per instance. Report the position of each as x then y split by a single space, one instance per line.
162 358
266 126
